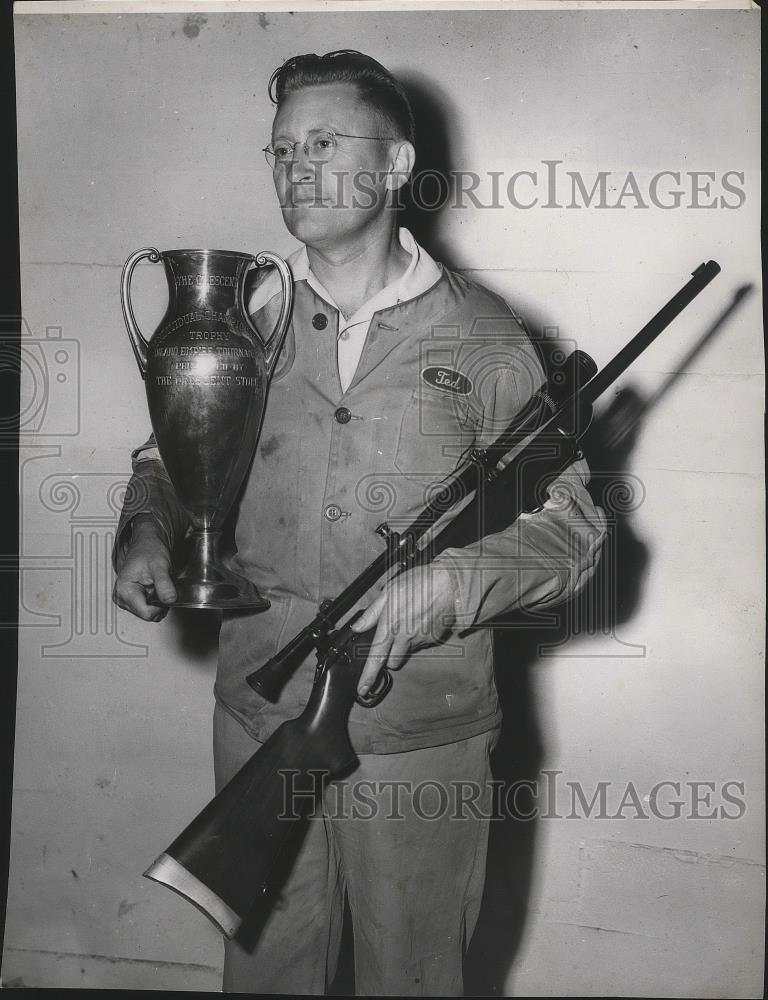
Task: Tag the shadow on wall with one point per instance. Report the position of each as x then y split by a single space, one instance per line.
436 121
521 640
608 601
197 634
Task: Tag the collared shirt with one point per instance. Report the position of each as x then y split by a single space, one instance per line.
422 272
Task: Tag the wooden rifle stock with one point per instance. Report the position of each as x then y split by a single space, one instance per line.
222 861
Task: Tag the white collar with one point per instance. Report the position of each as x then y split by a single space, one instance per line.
422 272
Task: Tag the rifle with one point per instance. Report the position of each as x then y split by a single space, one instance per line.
223 861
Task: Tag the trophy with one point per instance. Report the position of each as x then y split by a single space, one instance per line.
206 370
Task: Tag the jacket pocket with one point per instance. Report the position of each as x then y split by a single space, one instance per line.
442 689
246 642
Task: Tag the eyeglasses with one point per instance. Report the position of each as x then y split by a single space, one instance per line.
319 147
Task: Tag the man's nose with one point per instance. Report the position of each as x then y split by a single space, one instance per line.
301 167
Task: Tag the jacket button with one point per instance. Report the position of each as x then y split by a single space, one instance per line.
332 512
319 321
343 415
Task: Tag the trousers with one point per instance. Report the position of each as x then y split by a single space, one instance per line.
405 838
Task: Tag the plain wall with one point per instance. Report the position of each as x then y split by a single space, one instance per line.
146 129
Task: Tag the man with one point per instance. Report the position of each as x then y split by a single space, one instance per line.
393 368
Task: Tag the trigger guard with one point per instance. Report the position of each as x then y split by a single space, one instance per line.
378 692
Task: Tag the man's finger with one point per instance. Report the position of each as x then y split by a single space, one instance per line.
377 657
132 597
399 651
164 587
371 614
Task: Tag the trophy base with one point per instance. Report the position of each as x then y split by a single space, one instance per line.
205 583
219 596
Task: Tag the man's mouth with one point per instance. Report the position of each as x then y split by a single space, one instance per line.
306 196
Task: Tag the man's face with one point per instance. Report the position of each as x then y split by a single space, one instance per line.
327 204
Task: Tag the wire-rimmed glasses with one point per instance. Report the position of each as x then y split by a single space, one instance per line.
319 146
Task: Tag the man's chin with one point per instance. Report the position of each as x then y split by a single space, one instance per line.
309 223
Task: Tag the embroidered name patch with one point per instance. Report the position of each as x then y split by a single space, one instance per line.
447 380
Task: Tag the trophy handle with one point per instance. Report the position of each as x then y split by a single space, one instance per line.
139 343
275 342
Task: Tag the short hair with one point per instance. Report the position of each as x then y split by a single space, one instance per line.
375 84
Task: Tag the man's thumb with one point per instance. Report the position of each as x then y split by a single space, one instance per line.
366 620
164 587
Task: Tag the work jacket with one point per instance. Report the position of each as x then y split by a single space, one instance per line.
439 374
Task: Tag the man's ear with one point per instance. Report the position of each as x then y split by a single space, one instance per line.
403 157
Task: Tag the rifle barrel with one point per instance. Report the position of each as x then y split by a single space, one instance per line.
702 276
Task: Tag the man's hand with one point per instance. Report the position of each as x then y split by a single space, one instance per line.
414 610
147 564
